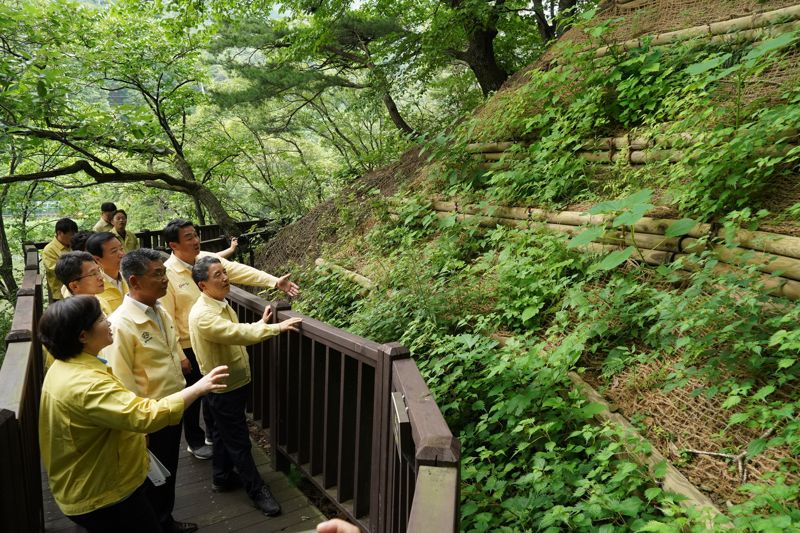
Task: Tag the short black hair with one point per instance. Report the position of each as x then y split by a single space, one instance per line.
201 266
172 230
69 266
121 211
136 262
105 207
94 245
63 321
78 242
66 225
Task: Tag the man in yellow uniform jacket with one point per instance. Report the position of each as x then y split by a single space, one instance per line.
65 229
108 252
182 293
148 359
129 240
218 338
106 214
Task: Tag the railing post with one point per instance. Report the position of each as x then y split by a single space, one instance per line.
278 461
392 352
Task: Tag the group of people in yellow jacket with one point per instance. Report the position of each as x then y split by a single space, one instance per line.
138 341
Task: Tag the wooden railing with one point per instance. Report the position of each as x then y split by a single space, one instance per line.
21 377
356 419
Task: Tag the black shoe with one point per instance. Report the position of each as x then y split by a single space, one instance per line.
182 527
266 503
232 483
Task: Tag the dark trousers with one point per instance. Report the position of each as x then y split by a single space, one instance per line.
132 515
195 435
165 444
232 440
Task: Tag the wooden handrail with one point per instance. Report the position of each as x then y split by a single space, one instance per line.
21 377
326 396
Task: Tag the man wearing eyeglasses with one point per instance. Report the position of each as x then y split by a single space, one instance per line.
182 293
80 275
147 357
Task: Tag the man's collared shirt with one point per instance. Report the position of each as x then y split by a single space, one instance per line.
114 290
129 242
102 225
219 339
183 292
145 354
91 433
50 255
103 304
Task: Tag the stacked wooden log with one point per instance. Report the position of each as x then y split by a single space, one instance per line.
632 150
750 28
776 256
629 149
363 281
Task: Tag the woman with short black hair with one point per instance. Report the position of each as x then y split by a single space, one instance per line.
92 429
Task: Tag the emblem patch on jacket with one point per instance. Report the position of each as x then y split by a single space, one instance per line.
146 337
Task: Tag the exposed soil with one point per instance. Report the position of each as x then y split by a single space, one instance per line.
300 243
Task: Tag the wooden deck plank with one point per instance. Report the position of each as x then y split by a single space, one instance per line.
217 512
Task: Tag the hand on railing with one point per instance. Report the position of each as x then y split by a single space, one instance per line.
337 526
290 324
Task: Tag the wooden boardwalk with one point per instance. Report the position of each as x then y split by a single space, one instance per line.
229 511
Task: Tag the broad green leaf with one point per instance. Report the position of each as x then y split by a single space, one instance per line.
605 207
732 400
591 409
530 312
613 260
680 227
652 493
756 447
448 221
642 197
632 216
786 363
763 392
660 469
658 527
585 237
769 45
706 65
738 418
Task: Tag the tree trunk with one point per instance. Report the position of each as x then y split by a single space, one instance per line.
8 290
198 207
481 59
215 210
395 115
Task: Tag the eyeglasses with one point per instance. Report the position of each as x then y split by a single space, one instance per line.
96 273
158 274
